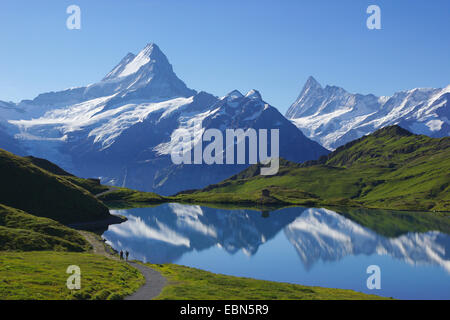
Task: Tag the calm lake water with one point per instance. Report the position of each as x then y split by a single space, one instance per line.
308 246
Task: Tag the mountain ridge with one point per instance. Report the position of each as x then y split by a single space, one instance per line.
332 116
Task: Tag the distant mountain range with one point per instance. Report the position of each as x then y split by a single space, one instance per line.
333 116
120 128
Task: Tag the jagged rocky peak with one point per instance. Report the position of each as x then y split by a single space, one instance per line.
333 116
131 64
233 95
236 95
311 83
119 68
308 99
147 75
253 94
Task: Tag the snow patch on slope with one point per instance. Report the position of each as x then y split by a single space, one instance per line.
105 125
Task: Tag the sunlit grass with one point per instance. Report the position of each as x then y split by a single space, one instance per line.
193 284
42 275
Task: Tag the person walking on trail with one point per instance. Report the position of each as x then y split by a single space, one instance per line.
126 255
121 255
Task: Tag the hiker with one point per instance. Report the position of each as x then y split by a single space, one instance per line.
126 255
121 255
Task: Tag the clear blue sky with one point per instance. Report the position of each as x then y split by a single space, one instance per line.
218 46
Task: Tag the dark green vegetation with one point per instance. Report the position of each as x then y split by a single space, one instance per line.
91 185
33 264
194 284
42 275
26 186
389 169
123 197
395 223
20 231
35 249
48 166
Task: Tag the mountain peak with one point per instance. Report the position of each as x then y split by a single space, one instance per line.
132 63
233 95
306 101
253 94
151 50
311 83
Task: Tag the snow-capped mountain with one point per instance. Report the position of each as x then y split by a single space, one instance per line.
146 75
333 116
120 129
9 110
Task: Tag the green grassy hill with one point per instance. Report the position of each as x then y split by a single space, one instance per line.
124 197
28 187
42 276
389 169
48 166
20 231
91 185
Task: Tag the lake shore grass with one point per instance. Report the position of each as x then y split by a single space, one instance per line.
187 283
42 276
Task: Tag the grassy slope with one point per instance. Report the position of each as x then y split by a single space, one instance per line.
390 169
189 283
42 275
121 197
48 166
28 187
88 184
125 197
20 231
37 267
91 185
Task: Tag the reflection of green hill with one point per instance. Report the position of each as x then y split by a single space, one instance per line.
28 187
395 223
20 231
389 169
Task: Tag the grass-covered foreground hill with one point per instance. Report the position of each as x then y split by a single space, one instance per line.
120 197
390 169
42 276
30 185
20 231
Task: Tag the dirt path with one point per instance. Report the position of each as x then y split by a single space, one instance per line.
98 246
154 281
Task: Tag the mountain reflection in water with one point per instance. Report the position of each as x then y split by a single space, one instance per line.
315 247
165 233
